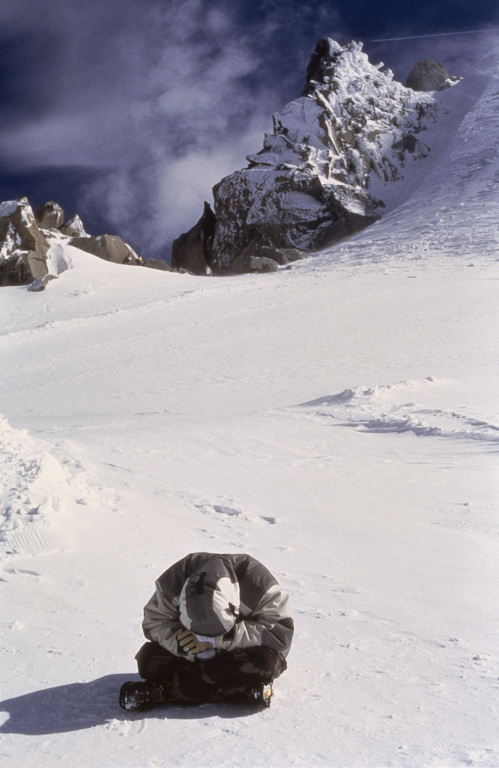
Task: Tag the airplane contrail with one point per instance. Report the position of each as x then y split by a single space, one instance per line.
436 34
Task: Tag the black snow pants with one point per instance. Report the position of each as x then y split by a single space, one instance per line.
229 673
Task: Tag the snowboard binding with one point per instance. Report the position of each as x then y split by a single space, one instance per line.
261 695
138 695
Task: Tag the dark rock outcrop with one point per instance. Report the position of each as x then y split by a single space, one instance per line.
23 268
19 230
279 210
429 76
50 215
23 247
325 52
193 250
25 240
107 247
158 264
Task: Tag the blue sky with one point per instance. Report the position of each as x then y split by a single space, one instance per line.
128 112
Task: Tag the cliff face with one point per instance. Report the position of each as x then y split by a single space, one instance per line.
309 186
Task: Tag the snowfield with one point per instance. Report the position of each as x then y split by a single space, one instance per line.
338 420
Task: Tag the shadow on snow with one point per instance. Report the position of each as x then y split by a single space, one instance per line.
77 706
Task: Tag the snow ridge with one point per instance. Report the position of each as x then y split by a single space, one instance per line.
383 409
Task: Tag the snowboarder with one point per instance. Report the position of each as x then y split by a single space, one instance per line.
218 627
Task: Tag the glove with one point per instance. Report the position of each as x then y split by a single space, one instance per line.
190 643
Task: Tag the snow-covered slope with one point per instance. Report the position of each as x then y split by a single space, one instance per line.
338 420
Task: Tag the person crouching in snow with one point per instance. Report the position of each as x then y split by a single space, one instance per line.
218 627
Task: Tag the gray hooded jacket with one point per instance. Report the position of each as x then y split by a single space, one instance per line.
232 598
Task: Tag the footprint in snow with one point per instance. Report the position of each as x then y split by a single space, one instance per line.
220 509
230 511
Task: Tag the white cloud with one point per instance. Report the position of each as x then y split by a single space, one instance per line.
165 97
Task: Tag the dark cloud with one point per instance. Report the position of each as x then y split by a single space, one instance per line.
163 102
131 111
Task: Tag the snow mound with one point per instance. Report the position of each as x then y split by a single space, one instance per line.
38 494
384 409
58 258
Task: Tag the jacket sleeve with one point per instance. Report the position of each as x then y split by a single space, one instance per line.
270 624
162 623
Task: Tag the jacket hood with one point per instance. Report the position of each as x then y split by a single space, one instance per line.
209 600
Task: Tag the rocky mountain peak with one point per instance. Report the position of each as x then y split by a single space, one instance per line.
309 186
325 54
345 126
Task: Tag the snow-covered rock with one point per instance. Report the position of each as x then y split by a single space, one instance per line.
309 186
74 227
23 247
19 229
30 244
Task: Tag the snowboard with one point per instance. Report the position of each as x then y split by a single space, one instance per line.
137 696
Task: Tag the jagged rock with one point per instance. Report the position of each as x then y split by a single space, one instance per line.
74 227
50 215
25 238
23 248
279 210
19 230
318 65
429 76
22 268
157 264
192 251
107 247
309 186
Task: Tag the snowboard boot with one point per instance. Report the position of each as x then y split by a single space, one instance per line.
138 695
261 695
